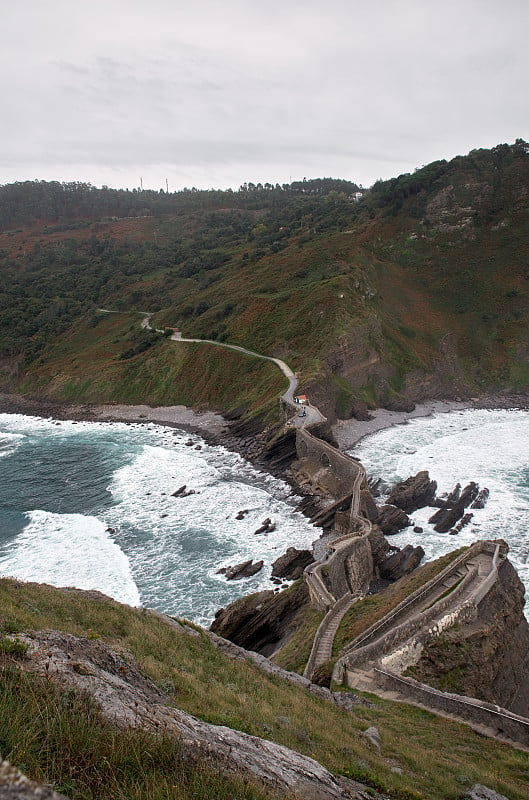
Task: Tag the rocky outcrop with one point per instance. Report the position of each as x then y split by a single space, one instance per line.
263 621
453 508
401 563
243 570
489 657
391 520
292 563
127 699
415 492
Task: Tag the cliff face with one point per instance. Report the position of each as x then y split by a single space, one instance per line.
262 621
488 658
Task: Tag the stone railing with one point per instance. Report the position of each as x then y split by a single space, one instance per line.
390 620
341 605
386 636
501 720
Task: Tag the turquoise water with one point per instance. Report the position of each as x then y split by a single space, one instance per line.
89 505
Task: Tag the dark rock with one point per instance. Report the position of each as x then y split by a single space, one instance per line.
454 507
461 524
418 529
243 570
413 493
292 563
399 404
267 527
242 514
183 492
359 411
401 563
392 520
481 499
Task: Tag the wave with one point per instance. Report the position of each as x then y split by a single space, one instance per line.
490 447
69 550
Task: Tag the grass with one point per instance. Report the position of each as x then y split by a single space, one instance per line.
366 612
200 680
57 737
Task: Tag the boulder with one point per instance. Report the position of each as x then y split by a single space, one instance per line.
359 411
391 519
372 737
401 563
243 570
291 564
413 493
479 792
399 404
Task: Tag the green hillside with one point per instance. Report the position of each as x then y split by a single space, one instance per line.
417 290
57 736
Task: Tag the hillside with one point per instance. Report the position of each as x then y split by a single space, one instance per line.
417 290
92 693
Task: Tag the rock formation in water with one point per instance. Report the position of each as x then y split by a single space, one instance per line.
415 492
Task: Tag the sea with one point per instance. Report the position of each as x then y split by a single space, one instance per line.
490 447
90 505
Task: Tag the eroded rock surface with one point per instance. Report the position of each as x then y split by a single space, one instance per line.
292 563
128 699
415 492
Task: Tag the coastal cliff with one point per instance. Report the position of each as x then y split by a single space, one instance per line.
487 658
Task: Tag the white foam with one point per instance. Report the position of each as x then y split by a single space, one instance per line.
69 550
487 446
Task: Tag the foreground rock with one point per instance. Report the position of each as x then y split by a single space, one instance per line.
415 492
291 564
15 786
127 699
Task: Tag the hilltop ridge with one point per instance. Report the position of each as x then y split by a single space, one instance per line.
417 290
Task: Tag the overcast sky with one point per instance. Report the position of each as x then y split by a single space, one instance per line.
212 93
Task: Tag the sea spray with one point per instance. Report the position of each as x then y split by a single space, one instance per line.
490 447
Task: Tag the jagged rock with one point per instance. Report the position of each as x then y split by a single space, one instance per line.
461 524
479 792
243 570
292 563
391 520
401 563
183 491
413 493
267 527
263 621
15 786
454 507
481 499
242 514
359 411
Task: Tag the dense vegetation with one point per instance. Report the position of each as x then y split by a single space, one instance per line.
418 288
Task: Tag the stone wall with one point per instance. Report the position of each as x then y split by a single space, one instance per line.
474 711
344 469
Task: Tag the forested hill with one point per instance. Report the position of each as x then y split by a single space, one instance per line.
416 288
30 202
